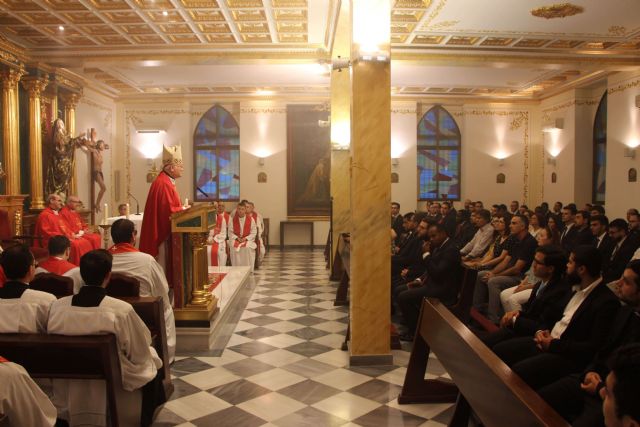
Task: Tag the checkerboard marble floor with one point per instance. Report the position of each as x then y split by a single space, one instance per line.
280 362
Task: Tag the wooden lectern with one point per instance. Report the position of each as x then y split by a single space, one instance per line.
194 303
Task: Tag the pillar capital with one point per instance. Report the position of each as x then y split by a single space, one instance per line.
10 77
35 85
71 101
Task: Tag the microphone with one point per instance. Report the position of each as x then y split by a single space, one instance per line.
202 191
137 203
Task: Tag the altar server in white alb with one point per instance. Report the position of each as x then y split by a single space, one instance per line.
257 217
242 236
22 310
217 241
92 312
22 403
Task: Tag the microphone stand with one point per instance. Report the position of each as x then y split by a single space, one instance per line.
137 203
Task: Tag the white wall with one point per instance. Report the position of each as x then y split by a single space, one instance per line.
623 130
404 121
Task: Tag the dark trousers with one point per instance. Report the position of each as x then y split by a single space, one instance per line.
537 368
576 406
410 301
494 338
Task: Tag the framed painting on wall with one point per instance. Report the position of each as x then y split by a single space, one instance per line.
308 161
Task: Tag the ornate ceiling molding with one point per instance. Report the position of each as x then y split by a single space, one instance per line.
561 10
621 88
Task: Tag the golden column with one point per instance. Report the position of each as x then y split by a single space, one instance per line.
10 129
370 182
35 86
341 126
70 104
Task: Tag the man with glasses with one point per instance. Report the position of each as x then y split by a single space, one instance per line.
77 226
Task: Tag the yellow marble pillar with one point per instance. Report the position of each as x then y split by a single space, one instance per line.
10 129
370 183
35 86
70 104
340 127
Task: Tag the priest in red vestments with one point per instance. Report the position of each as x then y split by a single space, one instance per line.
50 224
162 201
57 263
77 226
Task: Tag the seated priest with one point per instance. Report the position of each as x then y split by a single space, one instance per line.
262 250
217 242
57 263
22 310
22 402
77 226
153 282
92 312
50 223
242 236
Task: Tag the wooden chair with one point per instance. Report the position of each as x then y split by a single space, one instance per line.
122 285
68 357
483 382
59 286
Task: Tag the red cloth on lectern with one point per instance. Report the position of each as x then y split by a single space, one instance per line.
50 224
76 224
56 265
162 201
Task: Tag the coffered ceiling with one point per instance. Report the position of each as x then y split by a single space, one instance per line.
458 48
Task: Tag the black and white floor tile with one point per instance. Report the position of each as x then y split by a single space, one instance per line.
281 365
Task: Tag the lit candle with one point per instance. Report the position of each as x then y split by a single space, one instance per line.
128 212
106 212
186 201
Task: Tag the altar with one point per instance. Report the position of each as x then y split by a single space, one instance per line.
137 221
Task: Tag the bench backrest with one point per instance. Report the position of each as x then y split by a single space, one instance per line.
122 285
69 357
59 286
497 395
465 295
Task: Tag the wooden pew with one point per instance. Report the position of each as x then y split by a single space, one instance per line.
151 311
59 286
68 357
486 385
465 295
341 267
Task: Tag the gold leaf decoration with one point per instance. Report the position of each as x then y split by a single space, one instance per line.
617 30
561 10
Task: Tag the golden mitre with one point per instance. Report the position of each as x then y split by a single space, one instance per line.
171 155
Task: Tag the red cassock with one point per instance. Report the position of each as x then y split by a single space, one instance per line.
50 224
56 265
162 201
3 278
76 224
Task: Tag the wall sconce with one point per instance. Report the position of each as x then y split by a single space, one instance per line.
395 161
630 152
501 162
261 161
557 124
551 161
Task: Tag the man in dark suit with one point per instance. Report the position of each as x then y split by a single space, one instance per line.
584 235
416 269
409 250
575 397
623 250
440 280
570 232
568 347
396 222
448 219
545 305
599 225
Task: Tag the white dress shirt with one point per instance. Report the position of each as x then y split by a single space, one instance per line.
572 306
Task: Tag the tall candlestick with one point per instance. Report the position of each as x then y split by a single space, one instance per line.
127 211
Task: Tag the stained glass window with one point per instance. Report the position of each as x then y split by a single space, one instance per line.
216 143
600 151
438 156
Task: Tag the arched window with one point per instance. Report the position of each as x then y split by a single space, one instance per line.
600 152
216 143
438 156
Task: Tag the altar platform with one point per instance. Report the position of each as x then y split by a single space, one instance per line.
200 338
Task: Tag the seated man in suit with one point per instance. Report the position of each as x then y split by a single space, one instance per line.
569 346
396 223
91 312
604 243
57 263
621 391
575 397
22 310
623 250
22 402
570 232
545 304
416 269
584 235
440 280
409 250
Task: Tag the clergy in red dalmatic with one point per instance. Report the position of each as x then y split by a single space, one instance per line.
77 226
162 201
57 263
50 224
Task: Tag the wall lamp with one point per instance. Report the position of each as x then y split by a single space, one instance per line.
551 161
557 124
630 152
395 161
261 161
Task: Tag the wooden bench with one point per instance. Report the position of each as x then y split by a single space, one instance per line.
59 286
485 384
121 285
69 357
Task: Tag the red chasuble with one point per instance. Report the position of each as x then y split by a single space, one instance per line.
56 265
49 224
241 234
121 248
75 223
162 201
